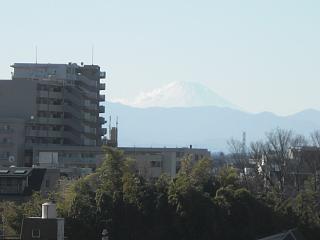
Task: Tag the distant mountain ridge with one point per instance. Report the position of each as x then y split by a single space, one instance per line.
204 126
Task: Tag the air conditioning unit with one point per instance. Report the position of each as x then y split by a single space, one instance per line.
11 159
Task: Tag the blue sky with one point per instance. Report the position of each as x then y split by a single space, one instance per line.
262 55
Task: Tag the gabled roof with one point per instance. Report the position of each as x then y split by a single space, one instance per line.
292 234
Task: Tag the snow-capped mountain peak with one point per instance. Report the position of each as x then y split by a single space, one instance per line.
181 94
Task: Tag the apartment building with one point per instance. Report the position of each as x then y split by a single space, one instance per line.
51 110
19 183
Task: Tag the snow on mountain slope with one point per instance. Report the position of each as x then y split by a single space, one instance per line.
180 94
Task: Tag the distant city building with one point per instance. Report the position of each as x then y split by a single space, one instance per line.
293 169
304 164
50 115
18 183
152 162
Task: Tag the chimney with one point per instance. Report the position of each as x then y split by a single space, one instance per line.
49 210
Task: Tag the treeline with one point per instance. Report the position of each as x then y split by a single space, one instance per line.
197 204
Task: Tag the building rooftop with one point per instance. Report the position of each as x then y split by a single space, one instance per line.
292 234
40 65
34 177
161 149
15 172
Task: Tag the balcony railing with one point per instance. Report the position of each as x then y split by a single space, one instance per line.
102 109
50 107
102 98
102 86
103 131
44 133
102 75
49 120
102 120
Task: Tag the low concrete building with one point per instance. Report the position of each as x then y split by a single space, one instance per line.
152 162
48 226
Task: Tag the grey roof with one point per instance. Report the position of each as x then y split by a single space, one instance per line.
14 172
34 175
292 234
279 236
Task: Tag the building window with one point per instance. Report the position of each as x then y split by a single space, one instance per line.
179 154
4 155
155 163
35 233
57 89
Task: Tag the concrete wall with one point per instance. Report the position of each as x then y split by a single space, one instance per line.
18 98
12 132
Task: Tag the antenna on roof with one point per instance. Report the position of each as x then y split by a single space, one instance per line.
117 126
92 51
36 54
117 122
244 141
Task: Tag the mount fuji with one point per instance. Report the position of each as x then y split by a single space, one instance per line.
180 94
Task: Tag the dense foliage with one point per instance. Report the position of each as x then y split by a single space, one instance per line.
197 204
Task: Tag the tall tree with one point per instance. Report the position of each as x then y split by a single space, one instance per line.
238 153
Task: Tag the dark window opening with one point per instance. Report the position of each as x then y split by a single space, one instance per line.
35 233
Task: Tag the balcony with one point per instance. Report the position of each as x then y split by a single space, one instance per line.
102 109
89 118
87 81
102 86
102 75
102 120
44 133
103 131
47 120
50 94
90 107
88 93
102 98
50 107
